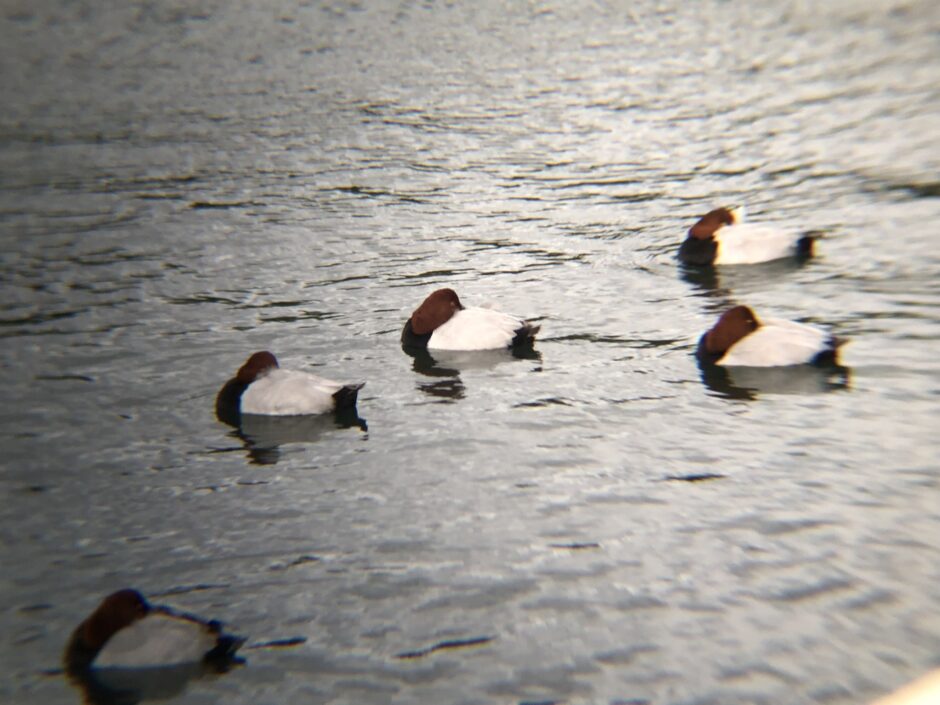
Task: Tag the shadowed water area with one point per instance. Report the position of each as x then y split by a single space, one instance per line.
595 520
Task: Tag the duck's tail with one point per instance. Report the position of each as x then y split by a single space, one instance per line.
347 395
525 335
805 245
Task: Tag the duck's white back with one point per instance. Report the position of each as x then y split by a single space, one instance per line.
476 328
156 640
749 243
777 342
289 393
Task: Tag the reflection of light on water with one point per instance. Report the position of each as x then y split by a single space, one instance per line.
923 691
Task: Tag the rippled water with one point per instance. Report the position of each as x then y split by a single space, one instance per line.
183 184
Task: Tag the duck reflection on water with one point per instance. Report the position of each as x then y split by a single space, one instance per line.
263 436
444 367
751 382
270 407
721 286
743 355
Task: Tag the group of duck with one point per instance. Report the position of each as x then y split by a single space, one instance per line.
442 322
126 632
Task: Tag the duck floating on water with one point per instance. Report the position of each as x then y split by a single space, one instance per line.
442 322
263 388
721 237
740 338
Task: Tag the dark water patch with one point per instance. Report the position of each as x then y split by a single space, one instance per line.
185 589
563 184
40 318
65 378
273 304
778 528
616 199
602 231
637 499
527 218
28 638
444 391
811 591
554 257
286 643
419 197
38 607
626 655
301 560
401 546
653 343
113 255
446 645
701 607
922 190
199 299
738 673
209 205
20 15
339 280
589 338
871 598
640 602
912 188
575 546
302 316
427 277
694 477
157 196
477 245
547 401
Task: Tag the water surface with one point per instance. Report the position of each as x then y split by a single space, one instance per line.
183 184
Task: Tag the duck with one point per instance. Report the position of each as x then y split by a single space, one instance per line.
721 237
442 322
262 387
127 632
740 338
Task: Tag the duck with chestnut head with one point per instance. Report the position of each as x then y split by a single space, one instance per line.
442 322
722 237
262 387
740 339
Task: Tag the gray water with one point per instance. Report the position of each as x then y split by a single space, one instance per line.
182 184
